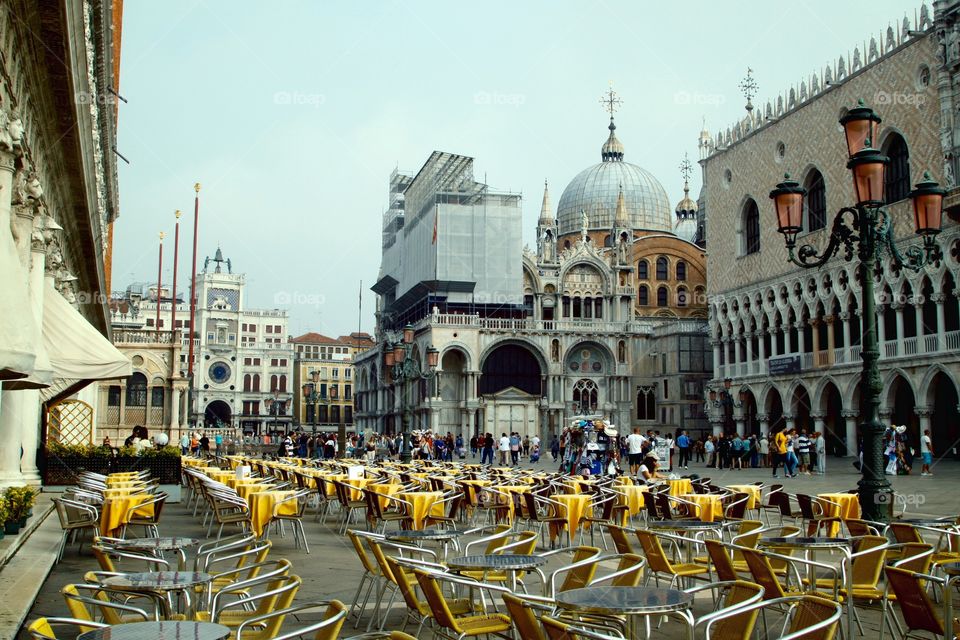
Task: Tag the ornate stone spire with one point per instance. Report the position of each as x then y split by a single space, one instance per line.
621 220
546 213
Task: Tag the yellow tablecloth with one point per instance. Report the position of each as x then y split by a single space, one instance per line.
473 489
423 504
752 490
248 489
221 476
510 490
193 462
576 506
120 492
358 485
261 508
234 461
680 486
847 506
114 511
117 483
385 490
710 505
632 497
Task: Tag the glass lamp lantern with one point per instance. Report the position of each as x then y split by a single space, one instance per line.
927 200
860 125
788 203
869 168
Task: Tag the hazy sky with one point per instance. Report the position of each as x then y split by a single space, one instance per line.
293 114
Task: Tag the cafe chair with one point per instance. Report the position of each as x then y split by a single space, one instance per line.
733 618
84 601
106 556
388 580
919 612
455 501
812 513
377 518
383 635
371 573
808 617
659 566
75 517
295 519
207 550
619 537
235 564
278 593
326 629
463 626
561 630
543 513
418 611
347 505
610 512
44 628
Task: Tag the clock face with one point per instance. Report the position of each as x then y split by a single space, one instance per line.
219 372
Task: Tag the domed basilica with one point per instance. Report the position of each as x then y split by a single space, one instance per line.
610 317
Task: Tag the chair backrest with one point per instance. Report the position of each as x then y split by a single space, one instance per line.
774 489
78 609
866 569
904 532
620 540
858 528
524 543
812 610
738 626
377 551
762 573
663 505
279 595
368 563
917 556
782 501
919 612
650 504
630 570
407 590
748 533
656 558
805 503
438 604
581 576
738 506
332 632
721 562
559 630
524 619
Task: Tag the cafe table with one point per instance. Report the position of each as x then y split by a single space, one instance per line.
634 603
262 504
575 506
161 582
157 546
115 512
162 630
443 536
505 562
680 486
752 491
422 505
686 528
630 496
845 506
710 505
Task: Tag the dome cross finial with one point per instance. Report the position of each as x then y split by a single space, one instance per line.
611 101
686 170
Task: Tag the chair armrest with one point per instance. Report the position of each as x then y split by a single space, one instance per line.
316 626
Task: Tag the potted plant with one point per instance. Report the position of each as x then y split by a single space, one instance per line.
19 502
4 515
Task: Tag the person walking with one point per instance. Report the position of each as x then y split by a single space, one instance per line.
779 452
926 452
504 449
736 452
474 445
803 451
792 462
764 450
698 450
184 444
514 449
710 449
819 457
635 450
683 444
486 449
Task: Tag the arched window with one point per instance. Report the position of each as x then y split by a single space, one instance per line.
662 297
137 390
643 296
246 382
751 228
256 382
815 202
646 403
598 308
273 383
681 271
897 186
682 297
643 270
585 396
283 383
661 268
621 352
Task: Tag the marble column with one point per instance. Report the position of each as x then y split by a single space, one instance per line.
764 420
716 422
748 340
845 321
787 347
761 344
802 339
32 223
939 299
741 422
881 329
850 417
924 414
789 421
716 344
831 338
12 407
899 309
818 423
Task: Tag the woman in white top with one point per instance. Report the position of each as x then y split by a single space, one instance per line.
648 469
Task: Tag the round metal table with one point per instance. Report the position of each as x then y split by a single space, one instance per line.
157 546
633 602
507 562
443 536
683 526
162 582
165 630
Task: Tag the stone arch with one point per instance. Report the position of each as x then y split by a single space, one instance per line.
609 361
801 405
819 393
532 347
456 345
925 390
888 384
592 264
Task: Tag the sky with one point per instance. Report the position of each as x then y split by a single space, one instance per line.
292 115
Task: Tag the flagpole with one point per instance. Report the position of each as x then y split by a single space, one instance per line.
173 291
193 291
159 280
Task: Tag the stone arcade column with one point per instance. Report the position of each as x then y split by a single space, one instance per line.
845 320
789 421
787 347
851 427
11 404
818 423
762 362
939 299
924 413
716 357
831 338
764 421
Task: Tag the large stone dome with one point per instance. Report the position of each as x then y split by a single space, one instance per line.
595 190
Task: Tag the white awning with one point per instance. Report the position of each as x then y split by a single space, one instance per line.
18 339
78 352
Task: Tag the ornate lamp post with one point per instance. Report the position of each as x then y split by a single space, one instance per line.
404 368
315 380
868 225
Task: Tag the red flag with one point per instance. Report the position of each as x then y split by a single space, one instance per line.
435 216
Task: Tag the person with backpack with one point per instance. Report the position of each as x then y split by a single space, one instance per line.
515 448
736 452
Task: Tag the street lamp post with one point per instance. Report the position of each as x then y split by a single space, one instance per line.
404 368
868 225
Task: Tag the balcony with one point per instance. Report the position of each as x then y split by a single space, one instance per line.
530 325
122 337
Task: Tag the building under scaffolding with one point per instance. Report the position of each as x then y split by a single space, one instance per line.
449 243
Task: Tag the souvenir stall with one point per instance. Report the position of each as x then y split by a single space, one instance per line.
592 445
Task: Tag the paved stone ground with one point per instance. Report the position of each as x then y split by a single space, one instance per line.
332 570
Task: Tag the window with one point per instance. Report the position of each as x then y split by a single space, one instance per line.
137 390
692 353
246 382
897 186
156 397
643 270
256 382
646 403
256 362
273 362
662 297
681 271
643 296
277 329
149 322
209 337
585 396
283 384
283 362
336 373
661 268
621 352
598 308
666 389
681 296
273 383
113 396
348 373
335 413
247 361
751 228
347 392
269 329
816 201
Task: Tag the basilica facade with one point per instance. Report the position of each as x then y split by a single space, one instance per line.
606 315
